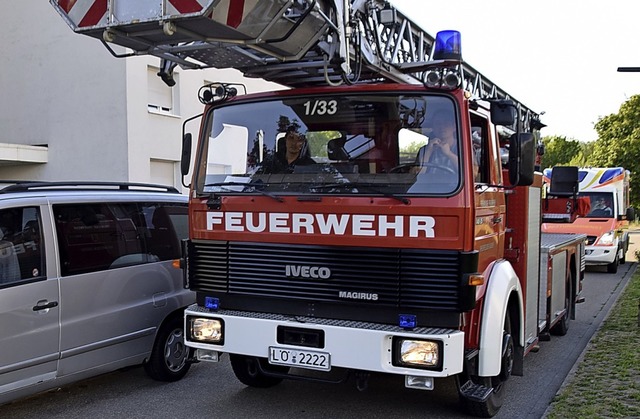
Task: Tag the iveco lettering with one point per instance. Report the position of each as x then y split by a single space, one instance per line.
316 272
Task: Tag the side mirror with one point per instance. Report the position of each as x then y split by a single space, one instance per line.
185 159
631 214
504 112
521 159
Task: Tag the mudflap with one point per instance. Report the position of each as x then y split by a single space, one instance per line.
518 361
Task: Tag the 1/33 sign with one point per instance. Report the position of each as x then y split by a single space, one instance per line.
320 107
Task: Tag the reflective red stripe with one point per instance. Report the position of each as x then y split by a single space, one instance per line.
186 6
66 5
236 9
94 14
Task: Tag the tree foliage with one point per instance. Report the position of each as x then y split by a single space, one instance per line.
558 151
618 143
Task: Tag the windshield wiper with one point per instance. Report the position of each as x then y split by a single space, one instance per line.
372 187
246 188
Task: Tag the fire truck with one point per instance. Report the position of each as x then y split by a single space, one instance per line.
606 223
360 221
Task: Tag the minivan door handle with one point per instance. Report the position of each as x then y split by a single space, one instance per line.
41 306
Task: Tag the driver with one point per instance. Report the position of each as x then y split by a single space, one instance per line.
294 152
602 207
441 150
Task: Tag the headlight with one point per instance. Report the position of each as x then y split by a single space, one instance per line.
607 238
418 353
205 330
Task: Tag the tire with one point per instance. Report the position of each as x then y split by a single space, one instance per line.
169 357
562 327
492 405
612 268
623 259
246 370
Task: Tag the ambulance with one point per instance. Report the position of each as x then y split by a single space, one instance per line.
606 224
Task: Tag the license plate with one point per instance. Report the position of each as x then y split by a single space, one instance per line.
298 358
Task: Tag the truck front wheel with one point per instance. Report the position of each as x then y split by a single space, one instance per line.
483 396
250 371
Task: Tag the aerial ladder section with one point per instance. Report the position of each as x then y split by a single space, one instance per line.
296 43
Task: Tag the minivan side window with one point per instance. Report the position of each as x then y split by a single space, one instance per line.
167 226
101 236
21 255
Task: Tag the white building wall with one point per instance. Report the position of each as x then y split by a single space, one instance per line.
67 92
59 90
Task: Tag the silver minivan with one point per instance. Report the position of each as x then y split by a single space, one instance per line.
89 283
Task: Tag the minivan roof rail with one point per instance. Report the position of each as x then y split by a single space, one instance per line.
25 186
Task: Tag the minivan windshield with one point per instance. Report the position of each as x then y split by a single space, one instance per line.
368 144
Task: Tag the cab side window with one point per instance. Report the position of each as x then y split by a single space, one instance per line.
480 149
21 253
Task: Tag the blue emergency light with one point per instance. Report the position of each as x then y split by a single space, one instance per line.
448 46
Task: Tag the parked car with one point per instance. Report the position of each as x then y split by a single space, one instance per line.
89 283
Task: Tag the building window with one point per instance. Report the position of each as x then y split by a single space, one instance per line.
161 98
163 172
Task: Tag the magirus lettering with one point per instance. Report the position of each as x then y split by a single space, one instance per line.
358 295
315 272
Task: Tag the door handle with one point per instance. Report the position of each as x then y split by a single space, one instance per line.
39 306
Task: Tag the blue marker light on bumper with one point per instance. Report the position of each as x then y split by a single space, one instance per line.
211 303
407 321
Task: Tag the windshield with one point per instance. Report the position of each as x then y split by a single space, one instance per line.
339 144
601 204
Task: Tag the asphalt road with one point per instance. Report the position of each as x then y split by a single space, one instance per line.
211 390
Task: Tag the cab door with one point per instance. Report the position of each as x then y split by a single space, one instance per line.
489 200
29 300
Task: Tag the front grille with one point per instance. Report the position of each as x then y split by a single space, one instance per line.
591 240
400 278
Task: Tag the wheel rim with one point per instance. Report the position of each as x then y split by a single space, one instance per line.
175 352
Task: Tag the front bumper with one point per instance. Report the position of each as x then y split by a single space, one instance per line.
600 255
352 345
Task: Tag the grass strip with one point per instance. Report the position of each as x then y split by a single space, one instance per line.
606 383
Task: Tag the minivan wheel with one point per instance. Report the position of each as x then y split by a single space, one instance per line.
168 360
